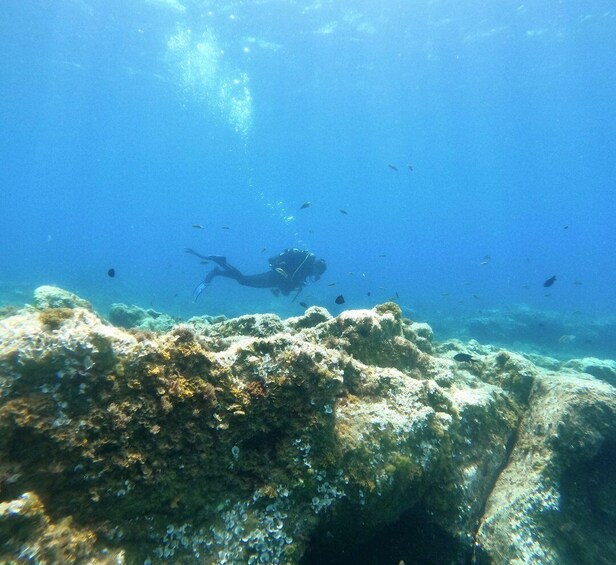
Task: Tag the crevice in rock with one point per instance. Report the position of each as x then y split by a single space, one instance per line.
412 539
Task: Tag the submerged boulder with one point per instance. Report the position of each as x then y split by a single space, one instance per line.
54 297
258 439
130 316
555 500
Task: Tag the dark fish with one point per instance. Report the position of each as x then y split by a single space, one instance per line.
339 299
550 281
382 255
578 283
368 293
475 297
198 226
111 273
204 262
303 305
409 167
304 205
331 284
344 212
397 295
393 168
463 358
264 249
566 228
226 228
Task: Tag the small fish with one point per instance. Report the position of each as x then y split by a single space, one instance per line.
339 299
368 293
264 249
111 273
303 305
577 283
397 295
486 259
409 167
281 272
475 297
204 262
463 358
550 281
566 227
331 284
393 167
344 212
304 205
226 228
382 255
566 338
198 226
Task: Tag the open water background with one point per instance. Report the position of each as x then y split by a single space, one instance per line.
125 122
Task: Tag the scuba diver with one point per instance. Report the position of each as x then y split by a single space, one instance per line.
289 271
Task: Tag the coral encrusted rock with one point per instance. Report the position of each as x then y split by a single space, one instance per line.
310 440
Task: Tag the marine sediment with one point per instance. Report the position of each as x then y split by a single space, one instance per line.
311 439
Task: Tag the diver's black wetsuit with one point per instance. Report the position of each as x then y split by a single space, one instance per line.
289 271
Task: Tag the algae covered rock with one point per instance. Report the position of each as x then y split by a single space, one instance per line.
373 337
604 369
54 297
131 316
263 440
26 531
257 325
312 317
554 501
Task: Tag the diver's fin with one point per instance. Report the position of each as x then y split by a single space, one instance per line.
199 290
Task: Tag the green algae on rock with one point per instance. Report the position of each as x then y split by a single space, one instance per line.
255 439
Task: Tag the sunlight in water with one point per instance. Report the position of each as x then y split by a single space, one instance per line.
204 75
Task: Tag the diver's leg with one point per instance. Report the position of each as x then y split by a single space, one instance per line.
220 260
229 270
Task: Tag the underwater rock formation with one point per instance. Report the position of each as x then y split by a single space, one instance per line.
128 316
265 440
54 297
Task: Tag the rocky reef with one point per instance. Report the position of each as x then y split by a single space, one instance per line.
315 439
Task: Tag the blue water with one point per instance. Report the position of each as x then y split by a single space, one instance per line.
126 122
